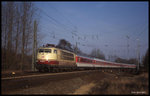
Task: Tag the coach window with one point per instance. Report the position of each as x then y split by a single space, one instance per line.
55 51
79 59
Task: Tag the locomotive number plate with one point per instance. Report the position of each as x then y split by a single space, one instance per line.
41 60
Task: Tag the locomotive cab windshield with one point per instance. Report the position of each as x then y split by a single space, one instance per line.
44 51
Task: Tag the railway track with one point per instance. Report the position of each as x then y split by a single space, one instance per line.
26 81
30 74
38 74
14 74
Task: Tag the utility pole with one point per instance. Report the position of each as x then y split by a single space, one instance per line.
34 46
127 47
138 54
76 48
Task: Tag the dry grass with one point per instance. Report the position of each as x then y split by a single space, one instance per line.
123 85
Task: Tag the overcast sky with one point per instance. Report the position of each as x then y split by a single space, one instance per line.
107 26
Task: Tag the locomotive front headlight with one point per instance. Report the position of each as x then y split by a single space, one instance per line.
47 58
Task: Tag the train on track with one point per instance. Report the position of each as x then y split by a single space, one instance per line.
51 58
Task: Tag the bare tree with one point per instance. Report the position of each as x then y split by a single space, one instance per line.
9 31
17 33
4 34
97 54
26 28
145 61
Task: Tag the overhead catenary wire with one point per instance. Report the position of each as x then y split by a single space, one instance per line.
64 28
135 36
47 28
78 36
52 20
59 23
62 15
